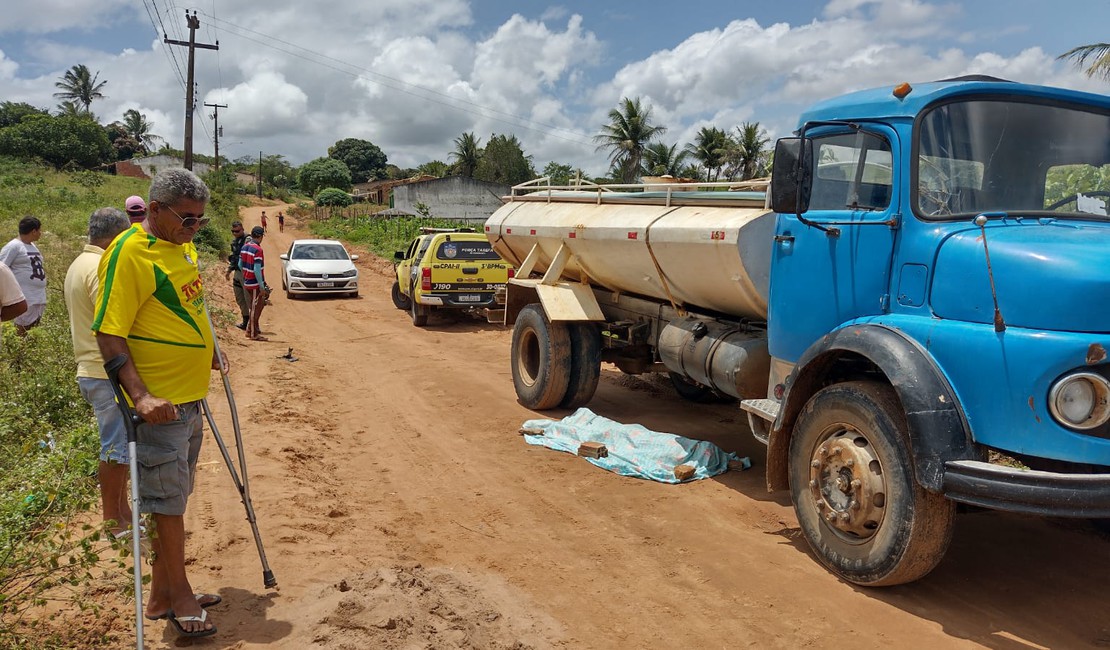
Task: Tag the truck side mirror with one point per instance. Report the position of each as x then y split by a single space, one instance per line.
399 256
792 175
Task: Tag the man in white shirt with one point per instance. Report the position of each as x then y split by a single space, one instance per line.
25 261
80 294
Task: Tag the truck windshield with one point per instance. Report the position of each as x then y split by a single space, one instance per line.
1018 157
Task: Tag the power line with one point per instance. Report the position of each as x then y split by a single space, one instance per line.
426 94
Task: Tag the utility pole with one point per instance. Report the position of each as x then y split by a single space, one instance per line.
194 25
216 129
260 174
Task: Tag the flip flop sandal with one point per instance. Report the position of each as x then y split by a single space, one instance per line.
215 599
203 618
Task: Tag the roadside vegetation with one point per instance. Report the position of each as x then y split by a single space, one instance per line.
52 546
382 235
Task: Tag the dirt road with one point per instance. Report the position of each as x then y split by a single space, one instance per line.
400 509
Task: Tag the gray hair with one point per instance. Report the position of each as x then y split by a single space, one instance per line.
171 185
106 223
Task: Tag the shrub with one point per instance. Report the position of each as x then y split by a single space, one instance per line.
333 196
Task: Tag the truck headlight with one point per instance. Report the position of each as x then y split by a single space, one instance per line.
1080 400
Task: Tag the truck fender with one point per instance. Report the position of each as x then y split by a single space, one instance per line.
938 430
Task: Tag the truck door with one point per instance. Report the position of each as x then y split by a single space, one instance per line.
822 279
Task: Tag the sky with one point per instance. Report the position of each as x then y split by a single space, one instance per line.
412 76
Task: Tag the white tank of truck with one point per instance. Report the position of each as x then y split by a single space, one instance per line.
701 249
648 277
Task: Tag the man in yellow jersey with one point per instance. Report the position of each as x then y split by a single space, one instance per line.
151 308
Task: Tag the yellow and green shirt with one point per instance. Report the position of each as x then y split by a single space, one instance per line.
151 294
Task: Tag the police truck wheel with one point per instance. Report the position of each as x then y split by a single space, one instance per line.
400 300
540 359
851 479
419 313
585 364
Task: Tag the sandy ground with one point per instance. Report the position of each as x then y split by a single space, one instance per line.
400 509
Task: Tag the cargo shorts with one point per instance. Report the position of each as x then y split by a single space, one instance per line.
167 455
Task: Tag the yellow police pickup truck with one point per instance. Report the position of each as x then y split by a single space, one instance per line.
448 269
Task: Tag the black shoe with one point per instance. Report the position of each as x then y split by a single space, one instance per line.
242 325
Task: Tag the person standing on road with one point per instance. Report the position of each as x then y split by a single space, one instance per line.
281 222
263 221
151 308
136 209
25 261
81 285
251 262
238 238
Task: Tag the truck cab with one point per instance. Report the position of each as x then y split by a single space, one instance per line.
937 322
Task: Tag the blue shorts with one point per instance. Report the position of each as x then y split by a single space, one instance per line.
113 430
167 455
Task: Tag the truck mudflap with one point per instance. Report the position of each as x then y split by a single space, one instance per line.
1032 492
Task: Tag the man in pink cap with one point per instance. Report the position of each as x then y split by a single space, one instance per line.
136 209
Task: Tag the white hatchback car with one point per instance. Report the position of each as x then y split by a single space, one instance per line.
318 266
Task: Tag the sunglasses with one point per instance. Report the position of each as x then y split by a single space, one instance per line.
189 222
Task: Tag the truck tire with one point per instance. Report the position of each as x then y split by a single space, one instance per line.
400 300
540 359
852 483
689 389
419 313
585 364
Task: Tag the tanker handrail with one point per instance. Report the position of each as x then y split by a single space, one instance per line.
543 188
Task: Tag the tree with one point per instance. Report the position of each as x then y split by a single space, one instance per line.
12 113
1097 53
78 85
467 154
747 156
71 109
124 146
136 125
709 148
503 161
333 196
661 160
323 172
61 141
629 130
559 174
436 168
363 158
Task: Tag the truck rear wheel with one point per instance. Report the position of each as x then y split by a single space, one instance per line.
419 313
585 364
400 300
540 359
851 479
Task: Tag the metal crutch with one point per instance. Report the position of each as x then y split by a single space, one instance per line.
131 423
242 485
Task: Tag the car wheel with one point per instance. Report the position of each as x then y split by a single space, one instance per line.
585 364
851 478
400 300
540 359
419 313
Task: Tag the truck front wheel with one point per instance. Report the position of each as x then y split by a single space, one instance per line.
540 359
851 479
400 300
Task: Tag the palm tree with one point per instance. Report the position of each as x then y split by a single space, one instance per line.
70 109
467 154
626 135
79 86
137 126
1098 52
749 152
709 148
660 160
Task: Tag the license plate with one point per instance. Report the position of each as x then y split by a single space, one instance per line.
470 298
321 285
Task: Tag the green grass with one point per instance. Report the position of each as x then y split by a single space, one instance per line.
382 236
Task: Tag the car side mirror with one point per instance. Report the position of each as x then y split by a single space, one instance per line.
399 256
284 257
792 175
354 257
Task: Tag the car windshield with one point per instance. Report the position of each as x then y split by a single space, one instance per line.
466 250
1018 157
319 252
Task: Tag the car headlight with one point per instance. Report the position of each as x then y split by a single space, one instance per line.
1080 400
298 274
349 273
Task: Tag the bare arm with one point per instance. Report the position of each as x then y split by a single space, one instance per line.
151 408
11 311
